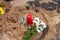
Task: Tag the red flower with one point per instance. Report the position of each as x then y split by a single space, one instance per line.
29 19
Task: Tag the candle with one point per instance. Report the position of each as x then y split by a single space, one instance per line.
29 19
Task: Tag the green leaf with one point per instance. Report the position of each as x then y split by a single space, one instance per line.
1 5
29 33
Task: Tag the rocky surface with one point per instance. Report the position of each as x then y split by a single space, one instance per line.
11 29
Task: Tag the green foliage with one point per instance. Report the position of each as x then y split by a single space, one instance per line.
29 33
1 5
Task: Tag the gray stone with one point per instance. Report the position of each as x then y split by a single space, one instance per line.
49 6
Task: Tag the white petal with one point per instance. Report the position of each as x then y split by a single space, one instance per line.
41 28
39 22
38 31
42 23
36 19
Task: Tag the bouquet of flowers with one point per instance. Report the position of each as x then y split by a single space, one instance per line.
34 26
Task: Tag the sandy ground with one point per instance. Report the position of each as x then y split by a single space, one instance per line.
10 29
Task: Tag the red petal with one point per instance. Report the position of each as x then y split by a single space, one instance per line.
29 19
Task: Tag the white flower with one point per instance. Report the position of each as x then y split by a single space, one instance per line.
36 19
40 25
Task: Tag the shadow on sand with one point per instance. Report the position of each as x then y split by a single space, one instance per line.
45 31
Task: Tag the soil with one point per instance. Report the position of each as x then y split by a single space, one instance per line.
11 29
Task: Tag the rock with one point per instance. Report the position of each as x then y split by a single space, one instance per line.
58 4
37 3
49 6
56 0
43 5
34 4
30 3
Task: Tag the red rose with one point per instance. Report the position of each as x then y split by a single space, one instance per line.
29 19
